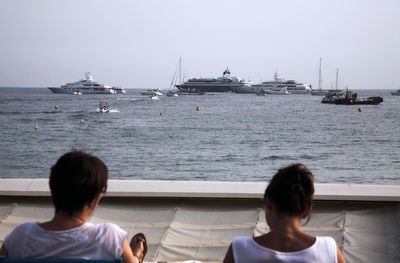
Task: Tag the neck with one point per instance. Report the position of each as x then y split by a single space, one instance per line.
64 221
285 226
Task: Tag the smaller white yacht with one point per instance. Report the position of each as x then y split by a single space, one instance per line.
119 90
86 86
396 93
152 92
275 91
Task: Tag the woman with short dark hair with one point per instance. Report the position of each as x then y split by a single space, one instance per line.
77 182
288 200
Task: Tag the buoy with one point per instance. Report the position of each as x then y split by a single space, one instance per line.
56 107
160 113
36 126
360 109
81 121
197 108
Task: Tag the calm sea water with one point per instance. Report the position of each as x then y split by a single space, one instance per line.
233 137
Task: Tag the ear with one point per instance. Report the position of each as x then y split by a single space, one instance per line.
268 204
307 212
95 201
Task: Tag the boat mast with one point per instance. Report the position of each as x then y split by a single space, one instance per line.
180 70
337 77
320 80
176 77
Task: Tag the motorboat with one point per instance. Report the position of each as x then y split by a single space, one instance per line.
225 83
119 90
350 98
77 92
104 107
86 86
152 92
396 93
153 97
171 93
267 89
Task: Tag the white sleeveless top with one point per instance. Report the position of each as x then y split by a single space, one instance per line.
246 250
88 241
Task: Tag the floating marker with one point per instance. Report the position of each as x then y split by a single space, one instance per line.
360 109
160 113
82 121
36 126
197 108
56 107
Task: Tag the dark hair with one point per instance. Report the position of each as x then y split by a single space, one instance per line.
291 189
76 179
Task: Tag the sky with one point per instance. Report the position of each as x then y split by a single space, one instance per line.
137 44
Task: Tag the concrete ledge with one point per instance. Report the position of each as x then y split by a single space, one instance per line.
207 189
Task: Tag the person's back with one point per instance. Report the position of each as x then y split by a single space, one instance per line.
77 182
88 241
247 250
288 200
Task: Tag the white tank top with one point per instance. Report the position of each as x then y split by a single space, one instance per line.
246 250
88 241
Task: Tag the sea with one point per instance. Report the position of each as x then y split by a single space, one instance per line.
212 137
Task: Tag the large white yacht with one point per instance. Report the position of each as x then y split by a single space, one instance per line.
292 86
280 86
87 86
221 84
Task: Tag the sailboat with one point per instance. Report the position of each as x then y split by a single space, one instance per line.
178 69
319 91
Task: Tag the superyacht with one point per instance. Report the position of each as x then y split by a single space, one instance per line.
292 86
222 84
87 86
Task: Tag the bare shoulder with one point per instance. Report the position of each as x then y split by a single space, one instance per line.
340 256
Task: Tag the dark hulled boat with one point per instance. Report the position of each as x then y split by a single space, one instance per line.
350 98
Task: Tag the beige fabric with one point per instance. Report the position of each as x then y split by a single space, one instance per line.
202 229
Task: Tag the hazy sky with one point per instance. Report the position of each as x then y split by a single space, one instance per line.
137 44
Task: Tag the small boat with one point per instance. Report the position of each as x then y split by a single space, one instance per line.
119 90
396 93
350 98
273 91
153 97
104 107
77 92
171 93
152 92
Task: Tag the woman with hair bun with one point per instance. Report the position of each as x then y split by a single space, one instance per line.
288 200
